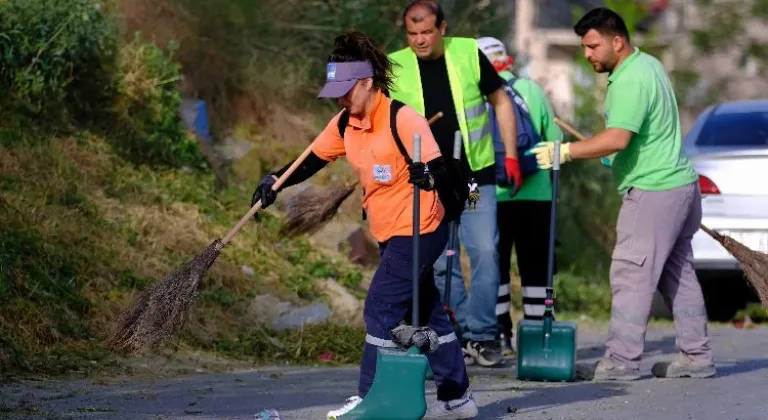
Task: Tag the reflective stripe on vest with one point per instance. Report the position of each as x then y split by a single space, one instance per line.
464 79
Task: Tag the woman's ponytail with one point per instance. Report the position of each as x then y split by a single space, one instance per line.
356 46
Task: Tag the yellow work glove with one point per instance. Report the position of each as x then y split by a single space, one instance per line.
545 153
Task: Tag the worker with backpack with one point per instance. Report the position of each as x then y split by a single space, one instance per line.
522 215
376 137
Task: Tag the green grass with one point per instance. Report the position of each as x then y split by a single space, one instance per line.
83 232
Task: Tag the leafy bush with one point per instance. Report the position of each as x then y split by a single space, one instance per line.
755 311
57 58
149 128
589 296
63 65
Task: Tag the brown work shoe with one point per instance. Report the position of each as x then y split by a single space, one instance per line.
682 367
606 370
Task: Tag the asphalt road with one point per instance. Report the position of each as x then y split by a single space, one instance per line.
737 393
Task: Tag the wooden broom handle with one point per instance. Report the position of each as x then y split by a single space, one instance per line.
435 118
569 128
257 206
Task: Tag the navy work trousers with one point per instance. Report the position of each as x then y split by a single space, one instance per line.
389 301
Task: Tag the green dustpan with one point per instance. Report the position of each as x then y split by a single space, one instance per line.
546 349
398 388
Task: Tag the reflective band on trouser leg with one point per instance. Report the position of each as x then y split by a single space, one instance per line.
535 311
503 290
503 308
533 302
535 292
381 342
503 300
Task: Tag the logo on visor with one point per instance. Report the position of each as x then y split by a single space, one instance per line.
331 71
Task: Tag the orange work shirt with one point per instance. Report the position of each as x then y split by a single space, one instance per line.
381 170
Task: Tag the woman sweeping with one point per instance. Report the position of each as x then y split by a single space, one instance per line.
358 78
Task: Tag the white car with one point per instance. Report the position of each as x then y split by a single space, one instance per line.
728 145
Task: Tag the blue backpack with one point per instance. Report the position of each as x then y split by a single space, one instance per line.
527 136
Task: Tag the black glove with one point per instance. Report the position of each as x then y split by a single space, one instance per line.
264 192
420 176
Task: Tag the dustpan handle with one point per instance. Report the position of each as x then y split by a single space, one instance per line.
416 232
450 252
553 225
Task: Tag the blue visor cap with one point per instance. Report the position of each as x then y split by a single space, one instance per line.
340 77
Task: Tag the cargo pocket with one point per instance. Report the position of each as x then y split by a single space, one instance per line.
627 253
627 271
627 235
628 240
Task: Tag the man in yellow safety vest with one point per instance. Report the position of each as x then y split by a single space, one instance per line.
451 75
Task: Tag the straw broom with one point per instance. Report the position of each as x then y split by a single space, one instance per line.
753 263
312 208
160 311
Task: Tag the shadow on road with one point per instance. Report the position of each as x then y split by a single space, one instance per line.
541 398
661 346
742 366
666 346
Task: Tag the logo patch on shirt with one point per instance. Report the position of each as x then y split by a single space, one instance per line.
382 173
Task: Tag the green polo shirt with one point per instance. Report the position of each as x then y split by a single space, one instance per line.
640 99
538 186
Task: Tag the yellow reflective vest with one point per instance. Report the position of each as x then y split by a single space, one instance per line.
462 61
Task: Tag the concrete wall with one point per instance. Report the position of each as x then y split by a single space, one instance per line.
548 63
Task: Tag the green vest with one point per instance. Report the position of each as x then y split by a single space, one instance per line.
462 61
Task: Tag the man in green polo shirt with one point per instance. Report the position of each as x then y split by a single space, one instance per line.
523 217
661 207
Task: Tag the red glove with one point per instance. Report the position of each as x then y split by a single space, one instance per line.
512 166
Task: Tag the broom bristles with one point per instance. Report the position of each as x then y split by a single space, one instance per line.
753 263
312 208
160 311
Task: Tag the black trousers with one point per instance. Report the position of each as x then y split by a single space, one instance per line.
524 226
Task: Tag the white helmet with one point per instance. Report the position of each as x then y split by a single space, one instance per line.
495 51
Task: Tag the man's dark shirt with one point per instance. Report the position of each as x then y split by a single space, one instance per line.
437 97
